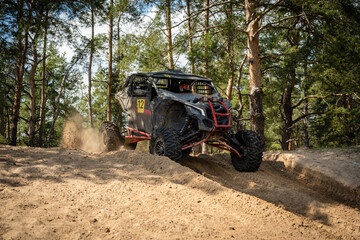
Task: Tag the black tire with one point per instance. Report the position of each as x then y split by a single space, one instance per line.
165 143
110 137
252 151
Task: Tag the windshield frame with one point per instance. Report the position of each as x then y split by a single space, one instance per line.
171 86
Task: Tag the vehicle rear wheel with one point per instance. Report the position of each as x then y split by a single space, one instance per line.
165 143
110 137
252 151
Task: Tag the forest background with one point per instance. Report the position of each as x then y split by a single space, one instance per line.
291 68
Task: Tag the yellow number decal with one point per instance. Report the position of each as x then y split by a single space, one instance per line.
140 103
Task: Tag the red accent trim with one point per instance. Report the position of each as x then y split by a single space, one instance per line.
218 144
147 112
137 138
217 128
227 147
193 144
220 114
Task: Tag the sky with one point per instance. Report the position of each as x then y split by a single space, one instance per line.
126 29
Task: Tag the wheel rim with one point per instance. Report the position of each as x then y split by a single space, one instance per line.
159 148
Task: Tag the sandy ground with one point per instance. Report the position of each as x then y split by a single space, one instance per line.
333 171
62 193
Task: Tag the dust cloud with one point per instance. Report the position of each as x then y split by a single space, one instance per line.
76 136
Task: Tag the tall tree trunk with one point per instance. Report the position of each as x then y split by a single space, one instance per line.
3 120
4 112
191 57
288 112
168 34
256 94
230 51
90 64
240 102
306 138
32 118
109 95
293 39
57 100
22 35
349 130
206 38
43 87
206 54
8 126
118 68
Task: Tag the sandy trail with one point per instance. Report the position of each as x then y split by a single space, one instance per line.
275 184
71 194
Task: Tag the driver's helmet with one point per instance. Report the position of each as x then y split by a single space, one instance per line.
184 87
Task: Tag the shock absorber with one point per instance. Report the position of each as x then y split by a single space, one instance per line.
185 125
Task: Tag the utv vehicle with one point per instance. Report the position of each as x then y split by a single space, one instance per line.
177 111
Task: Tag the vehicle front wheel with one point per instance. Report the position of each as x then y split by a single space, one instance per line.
165 143
110 137
252 151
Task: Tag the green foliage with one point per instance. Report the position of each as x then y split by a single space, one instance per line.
339 126
98 98
3 140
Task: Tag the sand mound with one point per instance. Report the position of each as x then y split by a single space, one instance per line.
60 193
335 172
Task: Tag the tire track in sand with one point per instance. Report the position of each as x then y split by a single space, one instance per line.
274 184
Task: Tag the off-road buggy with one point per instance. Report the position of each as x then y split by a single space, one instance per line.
177 111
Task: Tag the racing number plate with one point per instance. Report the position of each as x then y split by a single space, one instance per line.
140 104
